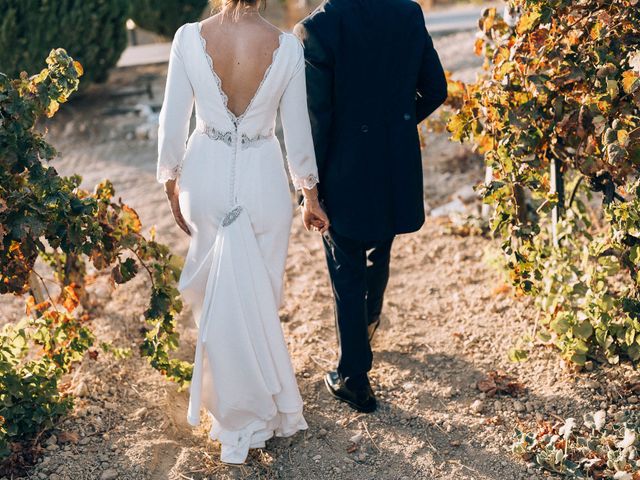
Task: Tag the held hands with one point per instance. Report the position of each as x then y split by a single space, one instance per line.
314 217
172 191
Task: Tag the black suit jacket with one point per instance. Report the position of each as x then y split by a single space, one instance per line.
372 76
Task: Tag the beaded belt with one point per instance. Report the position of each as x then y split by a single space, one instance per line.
229 137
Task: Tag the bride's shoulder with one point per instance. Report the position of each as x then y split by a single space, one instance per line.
295 51
293 47
182 31
285 40
196 28
180 42
292 40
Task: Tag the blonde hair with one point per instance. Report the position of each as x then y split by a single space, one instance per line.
234 6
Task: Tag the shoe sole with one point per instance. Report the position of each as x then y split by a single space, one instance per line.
355 406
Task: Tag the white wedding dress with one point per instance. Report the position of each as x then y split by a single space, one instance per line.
234 195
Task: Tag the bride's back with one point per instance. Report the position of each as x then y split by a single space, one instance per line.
242 50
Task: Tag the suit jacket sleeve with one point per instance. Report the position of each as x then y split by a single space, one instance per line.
432 82
319 79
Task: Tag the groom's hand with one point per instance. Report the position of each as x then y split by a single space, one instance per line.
314 217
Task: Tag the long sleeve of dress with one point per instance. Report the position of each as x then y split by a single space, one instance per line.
319 78
175 115
296 125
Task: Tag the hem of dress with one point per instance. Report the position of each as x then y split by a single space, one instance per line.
235 448
194 422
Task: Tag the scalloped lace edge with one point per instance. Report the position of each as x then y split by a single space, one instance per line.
307 182
165 174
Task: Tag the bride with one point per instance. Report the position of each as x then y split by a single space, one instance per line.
229 191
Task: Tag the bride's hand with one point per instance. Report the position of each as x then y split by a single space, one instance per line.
314 217
171 189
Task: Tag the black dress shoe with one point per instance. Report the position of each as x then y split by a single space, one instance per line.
356 392
373 326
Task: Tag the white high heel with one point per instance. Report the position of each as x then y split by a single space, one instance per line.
233 455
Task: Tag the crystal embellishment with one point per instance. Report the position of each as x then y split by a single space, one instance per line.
213 134
247 142
229 137
232 216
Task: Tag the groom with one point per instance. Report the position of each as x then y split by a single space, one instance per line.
372 76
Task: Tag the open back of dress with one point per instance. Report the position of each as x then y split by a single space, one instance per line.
241 61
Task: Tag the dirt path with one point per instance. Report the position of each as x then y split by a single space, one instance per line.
448 322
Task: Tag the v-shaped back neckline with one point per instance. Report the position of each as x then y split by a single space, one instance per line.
237 119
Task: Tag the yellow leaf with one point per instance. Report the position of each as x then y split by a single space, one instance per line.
53 108
455 88
488 20
130 219
623 137
457 126
527 21
573 37
79 68
69 298
630 81
485 143
604 106
478 46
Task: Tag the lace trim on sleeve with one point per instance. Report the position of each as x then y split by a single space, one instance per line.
166 173
307 182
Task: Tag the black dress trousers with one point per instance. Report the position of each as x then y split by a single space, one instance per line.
359 272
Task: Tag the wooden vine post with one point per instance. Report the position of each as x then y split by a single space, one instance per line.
557 188
488 176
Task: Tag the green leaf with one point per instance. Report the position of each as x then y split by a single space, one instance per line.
579 358
560 324
583 330
630 336
634 352
125 271
518 355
